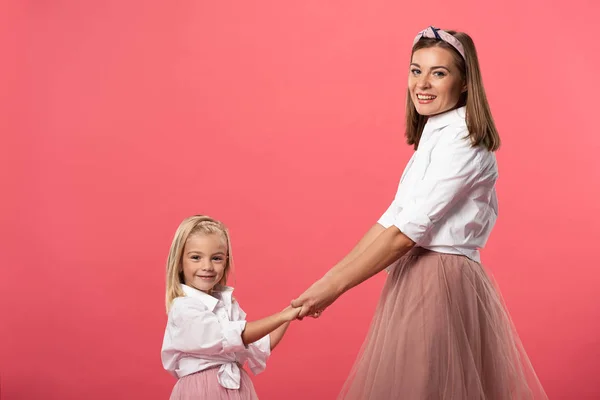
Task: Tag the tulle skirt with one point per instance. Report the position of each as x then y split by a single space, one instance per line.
204 385
441 331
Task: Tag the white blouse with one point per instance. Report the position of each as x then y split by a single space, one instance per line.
205 331
446 200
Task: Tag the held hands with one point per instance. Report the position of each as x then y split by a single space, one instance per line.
290 313
318 297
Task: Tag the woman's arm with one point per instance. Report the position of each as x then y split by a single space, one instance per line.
369 237
387 247
450 175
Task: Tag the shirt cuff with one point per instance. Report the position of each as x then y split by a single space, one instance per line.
232 336
385 221
413 224
258 353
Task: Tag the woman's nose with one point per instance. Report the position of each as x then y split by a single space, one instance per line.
423 82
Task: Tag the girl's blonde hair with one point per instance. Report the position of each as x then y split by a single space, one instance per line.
197 224
482 130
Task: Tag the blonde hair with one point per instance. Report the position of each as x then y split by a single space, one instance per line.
197 224
480 123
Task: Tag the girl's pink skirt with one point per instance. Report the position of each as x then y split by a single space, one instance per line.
204 385
441 331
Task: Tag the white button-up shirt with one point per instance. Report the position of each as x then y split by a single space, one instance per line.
205 331
446 200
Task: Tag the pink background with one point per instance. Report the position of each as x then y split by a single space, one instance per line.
285 120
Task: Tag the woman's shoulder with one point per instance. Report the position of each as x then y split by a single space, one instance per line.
458 135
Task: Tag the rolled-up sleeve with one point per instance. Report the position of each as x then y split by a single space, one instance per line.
256 353
387 219
195 329
453 169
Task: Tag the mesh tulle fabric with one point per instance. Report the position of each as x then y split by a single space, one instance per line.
204 385
441 331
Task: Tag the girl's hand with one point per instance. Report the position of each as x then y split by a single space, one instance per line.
290 313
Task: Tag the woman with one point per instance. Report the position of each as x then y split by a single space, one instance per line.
440 329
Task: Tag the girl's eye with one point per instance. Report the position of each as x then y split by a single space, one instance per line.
218 259
195 258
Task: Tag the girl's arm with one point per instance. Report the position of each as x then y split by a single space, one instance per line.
270 325
278 333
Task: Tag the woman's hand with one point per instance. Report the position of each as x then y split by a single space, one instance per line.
318 297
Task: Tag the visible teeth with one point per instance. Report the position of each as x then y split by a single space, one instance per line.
422 97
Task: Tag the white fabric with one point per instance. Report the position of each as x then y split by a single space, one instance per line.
446 200
204 331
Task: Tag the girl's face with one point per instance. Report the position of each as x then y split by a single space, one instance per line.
434 81
204 261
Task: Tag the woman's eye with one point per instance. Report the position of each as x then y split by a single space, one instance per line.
439 73
415 71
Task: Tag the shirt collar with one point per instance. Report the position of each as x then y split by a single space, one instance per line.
223 293
442 120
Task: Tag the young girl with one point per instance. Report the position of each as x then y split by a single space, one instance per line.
207 339
440 330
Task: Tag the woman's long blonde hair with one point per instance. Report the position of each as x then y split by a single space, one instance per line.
480 123
197 224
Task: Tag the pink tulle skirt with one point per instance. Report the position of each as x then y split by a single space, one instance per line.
204 385
441 331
